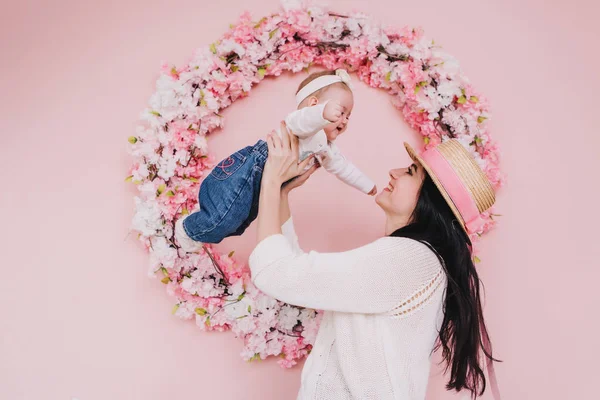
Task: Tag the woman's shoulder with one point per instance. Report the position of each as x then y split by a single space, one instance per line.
400 249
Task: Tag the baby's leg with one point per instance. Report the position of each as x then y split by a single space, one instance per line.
227 196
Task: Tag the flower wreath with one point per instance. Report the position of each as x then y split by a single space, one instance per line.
171 154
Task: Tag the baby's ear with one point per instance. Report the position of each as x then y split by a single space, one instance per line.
313 101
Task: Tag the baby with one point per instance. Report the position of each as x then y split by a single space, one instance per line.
229 195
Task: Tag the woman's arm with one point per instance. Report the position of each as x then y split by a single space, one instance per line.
374 278
281 166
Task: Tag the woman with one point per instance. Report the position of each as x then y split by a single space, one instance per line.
390 303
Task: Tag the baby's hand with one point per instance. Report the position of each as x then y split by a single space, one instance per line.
373 192
333 111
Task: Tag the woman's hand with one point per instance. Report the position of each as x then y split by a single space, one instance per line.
300 179
282 162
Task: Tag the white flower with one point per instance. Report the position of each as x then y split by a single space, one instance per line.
334 26
288 317
147 218
228 46
447 90
429 101
161 253
244 325
140 172
167 167
421 51
185 310
353 26
189 285
274 346
397 48
211 102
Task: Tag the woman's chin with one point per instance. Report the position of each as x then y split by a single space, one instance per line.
381 198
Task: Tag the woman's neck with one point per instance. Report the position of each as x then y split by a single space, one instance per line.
395 222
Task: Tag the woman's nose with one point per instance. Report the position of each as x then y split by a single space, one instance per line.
394 173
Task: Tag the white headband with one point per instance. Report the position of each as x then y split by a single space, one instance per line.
341 75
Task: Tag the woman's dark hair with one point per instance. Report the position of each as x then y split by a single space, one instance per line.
463 332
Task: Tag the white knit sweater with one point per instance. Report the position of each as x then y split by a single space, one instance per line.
383 310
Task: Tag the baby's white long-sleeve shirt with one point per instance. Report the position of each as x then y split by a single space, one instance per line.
307 123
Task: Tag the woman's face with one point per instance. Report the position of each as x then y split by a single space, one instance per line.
399 199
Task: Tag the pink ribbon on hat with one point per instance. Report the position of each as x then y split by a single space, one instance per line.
459 193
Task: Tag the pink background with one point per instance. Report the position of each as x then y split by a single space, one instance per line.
79 317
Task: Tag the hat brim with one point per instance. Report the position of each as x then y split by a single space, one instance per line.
413 154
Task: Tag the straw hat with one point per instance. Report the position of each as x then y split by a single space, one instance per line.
463 184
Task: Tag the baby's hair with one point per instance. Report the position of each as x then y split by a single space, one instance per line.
316 75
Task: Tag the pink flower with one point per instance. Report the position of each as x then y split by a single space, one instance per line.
299 20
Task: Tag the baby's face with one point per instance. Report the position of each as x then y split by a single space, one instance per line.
346 99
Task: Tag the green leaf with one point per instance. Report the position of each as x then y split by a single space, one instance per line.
478 141
461 100
155 113
200 311
165 280
262 72
207 322
307 68
272 33
263 19
164 271
481 118
241 296
175 308
170 193
426 140
234 68
173 70
161 189
132 139
184 211
420 85
388 76
231 253
129 178
137 182
194 179
476 259
249 309
231 26
473 99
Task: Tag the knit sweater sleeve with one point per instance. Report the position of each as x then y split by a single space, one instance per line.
371 279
